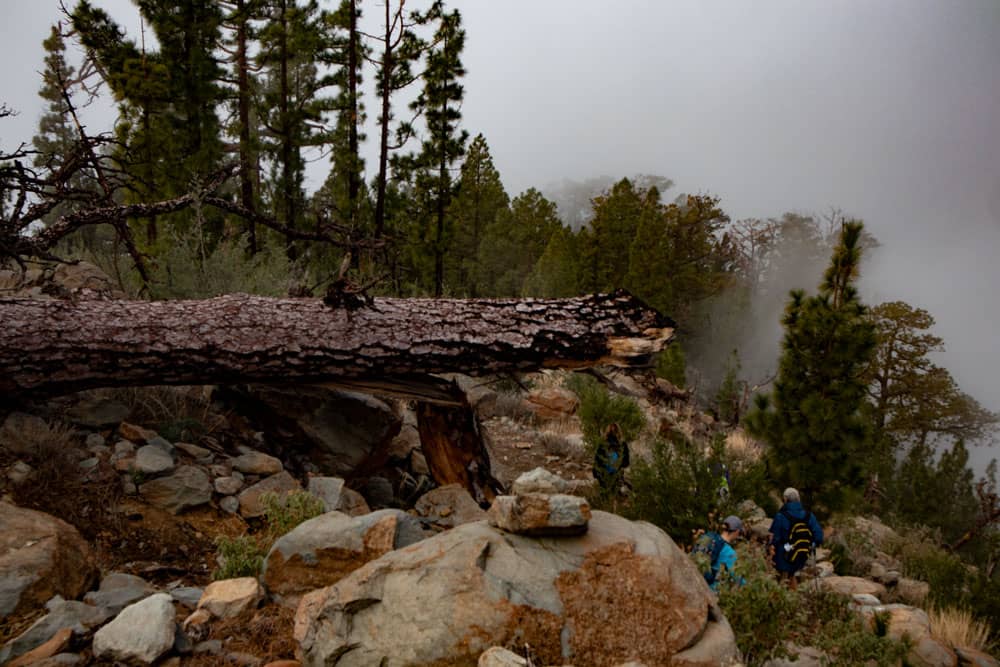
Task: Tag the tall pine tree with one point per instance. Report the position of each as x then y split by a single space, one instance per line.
812 421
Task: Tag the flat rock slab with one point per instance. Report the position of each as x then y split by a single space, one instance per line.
540 514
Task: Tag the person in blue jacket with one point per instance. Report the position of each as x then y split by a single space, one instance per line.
795 532
732 528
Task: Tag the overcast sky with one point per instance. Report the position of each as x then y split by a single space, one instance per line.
889 110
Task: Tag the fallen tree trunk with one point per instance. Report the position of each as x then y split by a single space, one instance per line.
60 346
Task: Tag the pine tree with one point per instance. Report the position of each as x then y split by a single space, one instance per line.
605 250
812 420
556 272
514 242
481 198
441 103
913 400
56 134
293 106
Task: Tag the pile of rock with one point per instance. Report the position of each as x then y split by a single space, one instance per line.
540 507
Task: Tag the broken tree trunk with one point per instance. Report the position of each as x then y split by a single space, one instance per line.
60 346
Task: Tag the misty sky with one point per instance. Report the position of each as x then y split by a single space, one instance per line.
889 110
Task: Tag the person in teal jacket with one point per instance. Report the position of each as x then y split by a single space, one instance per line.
725 564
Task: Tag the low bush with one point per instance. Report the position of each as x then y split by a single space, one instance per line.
241 556
285 512
767 617
599 408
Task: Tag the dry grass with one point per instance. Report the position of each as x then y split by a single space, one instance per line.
512 406
742 448
559 445
174 408
36 437
958 627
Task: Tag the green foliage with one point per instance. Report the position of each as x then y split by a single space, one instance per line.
556 272
599 408
286 511
671 365
238 557
812 419
189 269
675 489
730 394
182 429
765 615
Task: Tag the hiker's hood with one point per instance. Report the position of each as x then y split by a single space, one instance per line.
795 509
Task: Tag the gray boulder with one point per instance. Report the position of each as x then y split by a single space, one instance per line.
40 557
78 616
118 590
449 598
142 632
324 549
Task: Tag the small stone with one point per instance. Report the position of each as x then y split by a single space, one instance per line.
94 440
135 433
257 463
194 451
538 480
162 443
152 460
89 464
539 514
124 448
229 597
227 486
19 473
142 631
230 504
501 657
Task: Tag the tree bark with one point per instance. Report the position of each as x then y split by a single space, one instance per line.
61 346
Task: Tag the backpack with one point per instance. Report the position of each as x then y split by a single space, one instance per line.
799 542
710 544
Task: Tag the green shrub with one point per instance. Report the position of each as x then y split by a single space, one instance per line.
671 365
676 489
183 429
766 616
286 511
240 556
599 408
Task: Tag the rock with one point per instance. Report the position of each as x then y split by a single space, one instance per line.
343 429
378 492
97 412
230 504
61 660
353 503
284 663
118 590
124 448
877 572
538 480
538 514
874 528
481 396
449 506
143 631
864 599
418 463
227 486
282 483
447 599
93 441
13 433
188 596
58 644
40 556
406 442
911 591
162 443
824 569
194 451
853 585
78 616
501 657
19 473
970 657
904 620
717 645
228 598
257 463
552 403
152 460
188 487
135 433
324 549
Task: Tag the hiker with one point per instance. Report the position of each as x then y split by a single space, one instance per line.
717 546
721 472
611 459
795 532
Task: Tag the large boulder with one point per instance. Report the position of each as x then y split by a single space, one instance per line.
141 633
905 621
339 430
336 496
849 586
447 599
40 557
552 402
326 548
449 506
